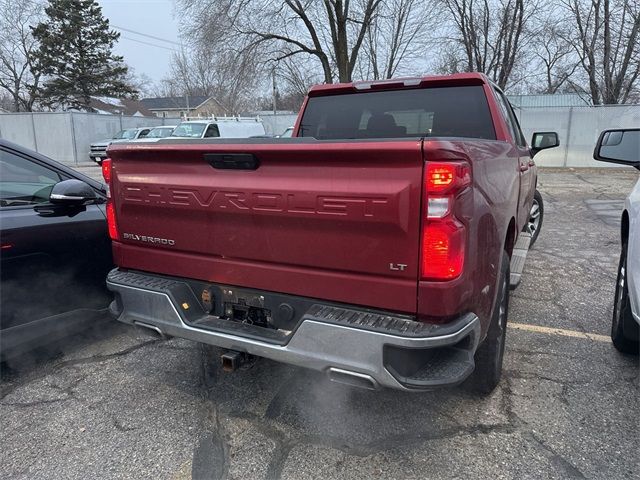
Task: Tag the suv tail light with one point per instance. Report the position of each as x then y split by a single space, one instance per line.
106 170
112 224
443 235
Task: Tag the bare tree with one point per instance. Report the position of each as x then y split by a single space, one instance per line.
491 34
19 76
607 41
330 31
555 55
298 75
397 37
226 75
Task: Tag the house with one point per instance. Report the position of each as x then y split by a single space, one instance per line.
185 106
119 106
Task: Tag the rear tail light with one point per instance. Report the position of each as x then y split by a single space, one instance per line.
106 170
111 220
444 177
443 250
443 236
112 224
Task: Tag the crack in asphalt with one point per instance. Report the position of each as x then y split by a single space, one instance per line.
69 394
104 358
524 429
556 459
7 389
211 454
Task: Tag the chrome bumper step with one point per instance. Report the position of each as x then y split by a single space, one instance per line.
392 350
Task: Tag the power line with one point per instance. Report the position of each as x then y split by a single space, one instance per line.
150 44
146 35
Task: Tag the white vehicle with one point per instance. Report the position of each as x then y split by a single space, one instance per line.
156 133
162 131
623 146
220 127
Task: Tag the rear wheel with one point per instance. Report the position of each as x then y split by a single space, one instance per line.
490 354
536 215
622 315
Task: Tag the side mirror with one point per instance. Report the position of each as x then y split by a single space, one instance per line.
72 192
619 146
543 140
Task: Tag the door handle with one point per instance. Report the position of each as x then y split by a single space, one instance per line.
232 161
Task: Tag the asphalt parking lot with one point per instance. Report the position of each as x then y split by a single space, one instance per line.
122 404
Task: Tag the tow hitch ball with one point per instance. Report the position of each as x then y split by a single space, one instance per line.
232 360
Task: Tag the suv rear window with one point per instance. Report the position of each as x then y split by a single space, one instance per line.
442 112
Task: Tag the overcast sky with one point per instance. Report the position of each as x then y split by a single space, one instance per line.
149 17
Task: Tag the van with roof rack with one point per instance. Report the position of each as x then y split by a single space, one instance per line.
219 127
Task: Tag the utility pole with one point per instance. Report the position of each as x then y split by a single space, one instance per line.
275 91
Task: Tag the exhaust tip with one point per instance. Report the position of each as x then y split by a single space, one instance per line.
152 328
353 379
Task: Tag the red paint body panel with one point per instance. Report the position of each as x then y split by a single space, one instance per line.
486 209
317 220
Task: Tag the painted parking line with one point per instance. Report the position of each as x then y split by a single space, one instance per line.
559 331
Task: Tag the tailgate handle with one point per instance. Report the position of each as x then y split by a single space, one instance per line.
232 161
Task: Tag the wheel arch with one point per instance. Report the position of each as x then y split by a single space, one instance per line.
510 237
624 228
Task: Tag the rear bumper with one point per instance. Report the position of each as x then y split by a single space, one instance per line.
369 349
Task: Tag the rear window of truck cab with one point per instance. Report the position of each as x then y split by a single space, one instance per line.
426 112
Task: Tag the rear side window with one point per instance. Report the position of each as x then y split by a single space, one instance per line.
442 112
212 131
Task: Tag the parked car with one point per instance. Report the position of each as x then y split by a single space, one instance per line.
98 150
220 127
623 147
55 250
161 132
378 245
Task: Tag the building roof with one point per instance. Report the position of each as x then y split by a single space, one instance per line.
168 103
543 100
119 106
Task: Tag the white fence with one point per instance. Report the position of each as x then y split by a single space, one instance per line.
66 136
578 129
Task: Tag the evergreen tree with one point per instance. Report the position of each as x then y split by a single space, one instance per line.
75 55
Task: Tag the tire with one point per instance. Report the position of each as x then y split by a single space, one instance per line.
536 215
490 353
622 310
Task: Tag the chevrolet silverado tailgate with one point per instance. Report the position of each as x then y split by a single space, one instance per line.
337 221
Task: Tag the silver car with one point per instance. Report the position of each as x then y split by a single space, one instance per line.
98 150
623 147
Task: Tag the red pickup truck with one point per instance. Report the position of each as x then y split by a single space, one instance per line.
375 245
